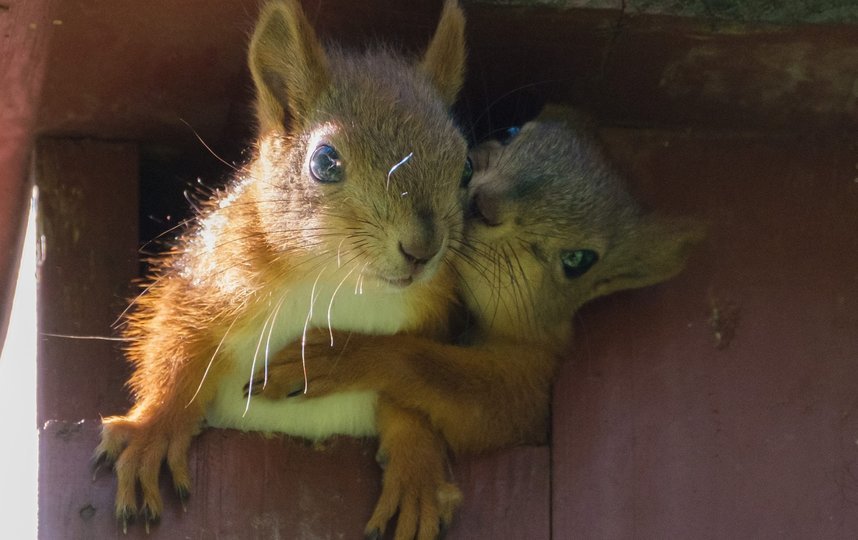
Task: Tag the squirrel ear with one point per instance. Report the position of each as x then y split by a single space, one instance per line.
654 250
288 64
444 60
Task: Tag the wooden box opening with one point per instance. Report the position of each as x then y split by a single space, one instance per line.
719 404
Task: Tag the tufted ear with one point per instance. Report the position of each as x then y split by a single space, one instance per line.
444 60
288 64
653 250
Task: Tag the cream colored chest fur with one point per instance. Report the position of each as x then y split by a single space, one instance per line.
282 321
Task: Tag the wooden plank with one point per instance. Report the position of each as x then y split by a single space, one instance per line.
248 486
25 27
644 70
506 495
245 486
722 404
88 220
154 67
632 69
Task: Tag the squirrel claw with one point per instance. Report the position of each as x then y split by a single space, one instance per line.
149 517
382 458
184 494
258 387
374 534
125 516
99 460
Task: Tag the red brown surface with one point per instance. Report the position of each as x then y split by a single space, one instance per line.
87 216
247 486
722 404
24 36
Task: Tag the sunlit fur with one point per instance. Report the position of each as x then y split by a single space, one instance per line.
550 190
554 191
277 253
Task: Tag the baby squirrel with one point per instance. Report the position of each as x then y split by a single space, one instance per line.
551 227
344 219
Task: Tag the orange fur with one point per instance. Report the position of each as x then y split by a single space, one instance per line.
280 234
548 193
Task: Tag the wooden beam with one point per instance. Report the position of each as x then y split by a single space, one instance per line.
25 28
87 217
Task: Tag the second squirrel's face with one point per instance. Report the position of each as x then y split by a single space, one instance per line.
372 184
543 211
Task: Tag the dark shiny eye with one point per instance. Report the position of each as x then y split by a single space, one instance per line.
576 263
326 166
509 134
467 173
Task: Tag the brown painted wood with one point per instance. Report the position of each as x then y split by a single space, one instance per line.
722 404
87 218
658 432
507 495
666 71
149 68
24 37
245 486
249 486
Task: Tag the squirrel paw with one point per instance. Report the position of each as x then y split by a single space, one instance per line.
316 358
287 380
425 504
136 451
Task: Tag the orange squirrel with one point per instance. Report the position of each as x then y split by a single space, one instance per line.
344 220
551 227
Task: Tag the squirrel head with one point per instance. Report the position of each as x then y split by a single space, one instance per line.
357 153
552 227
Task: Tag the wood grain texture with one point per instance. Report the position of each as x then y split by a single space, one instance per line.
722 404
25 31
638 70
246 486
87 216
507 495
194 70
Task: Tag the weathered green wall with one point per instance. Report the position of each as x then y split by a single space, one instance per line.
772 11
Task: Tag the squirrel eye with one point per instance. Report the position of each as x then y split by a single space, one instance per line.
467 172
509 134
325 165
576 263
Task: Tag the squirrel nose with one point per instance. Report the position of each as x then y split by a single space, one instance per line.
419 253
486 206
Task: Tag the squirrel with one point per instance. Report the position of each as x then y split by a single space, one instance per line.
344 219
551 226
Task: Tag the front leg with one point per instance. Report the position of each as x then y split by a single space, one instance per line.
479 398
414 484
136 444
314 369
168 413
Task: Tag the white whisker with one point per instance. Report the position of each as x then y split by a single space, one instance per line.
339 247
253 363
359 282
268 341
211 361
392 169
331 304
313 297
